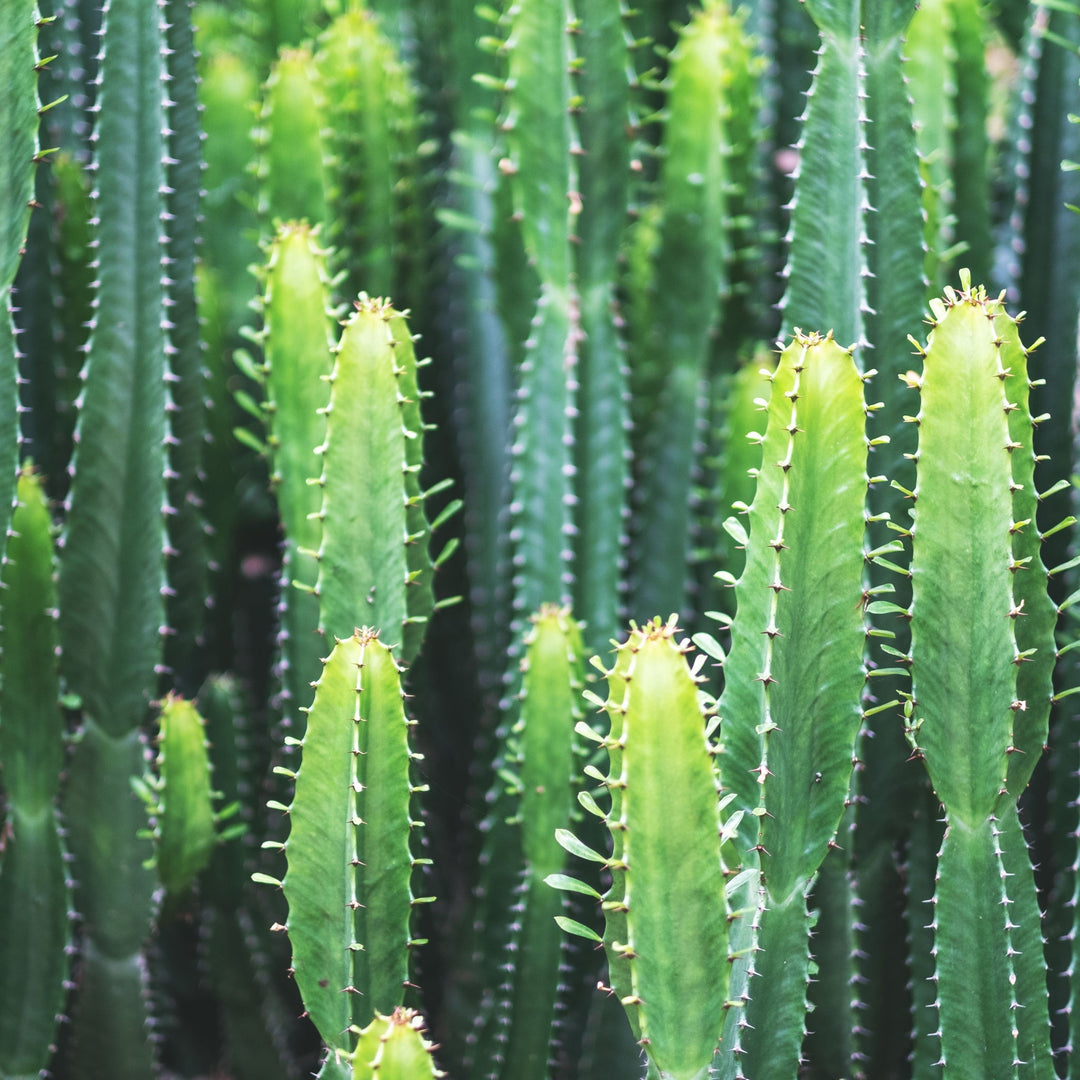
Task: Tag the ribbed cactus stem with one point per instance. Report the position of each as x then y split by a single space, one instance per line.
966 717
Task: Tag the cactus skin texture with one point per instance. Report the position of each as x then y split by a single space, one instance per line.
666 919
966 717
112 583
35 893
292 167
376 154
790 710
518 1033
350 863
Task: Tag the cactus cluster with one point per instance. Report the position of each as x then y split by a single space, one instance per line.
289 788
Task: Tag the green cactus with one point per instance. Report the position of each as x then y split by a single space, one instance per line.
350 928
394 1048
180 799
711 69
35 890
112 573
662 952
518 1030
790 711
966 716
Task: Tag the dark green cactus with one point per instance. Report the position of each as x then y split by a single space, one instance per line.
112 565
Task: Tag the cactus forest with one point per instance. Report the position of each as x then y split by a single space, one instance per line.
537 539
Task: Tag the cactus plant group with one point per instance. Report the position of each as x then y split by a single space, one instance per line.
368 367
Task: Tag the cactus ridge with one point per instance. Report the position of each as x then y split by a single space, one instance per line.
516 1029
711 68
375 149
374 543
297 354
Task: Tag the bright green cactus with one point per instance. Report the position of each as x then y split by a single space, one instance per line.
662 951
349 851
974 679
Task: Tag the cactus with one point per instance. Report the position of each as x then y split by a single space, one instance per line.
112 577
517 1032
394 1048
184 824
967 719
712 69
350 929
660 955
35 890
788 734
542 238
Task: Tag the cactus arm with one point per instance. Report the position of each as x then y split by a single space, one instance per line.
291 167
962 713
376 155
675 950
19 22
828 235
394 1048
972 30
112 565
35 893
298 359
888 785
363 566
350 928
789 712
19 120
540 168
185 825
544 747
711 59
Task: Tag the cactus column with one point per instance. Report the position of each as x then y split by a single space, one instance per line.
112 580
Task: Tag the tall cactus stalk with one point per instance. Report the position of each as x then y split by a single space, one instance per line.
977 670
112 581
790 710
712 68
19 24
